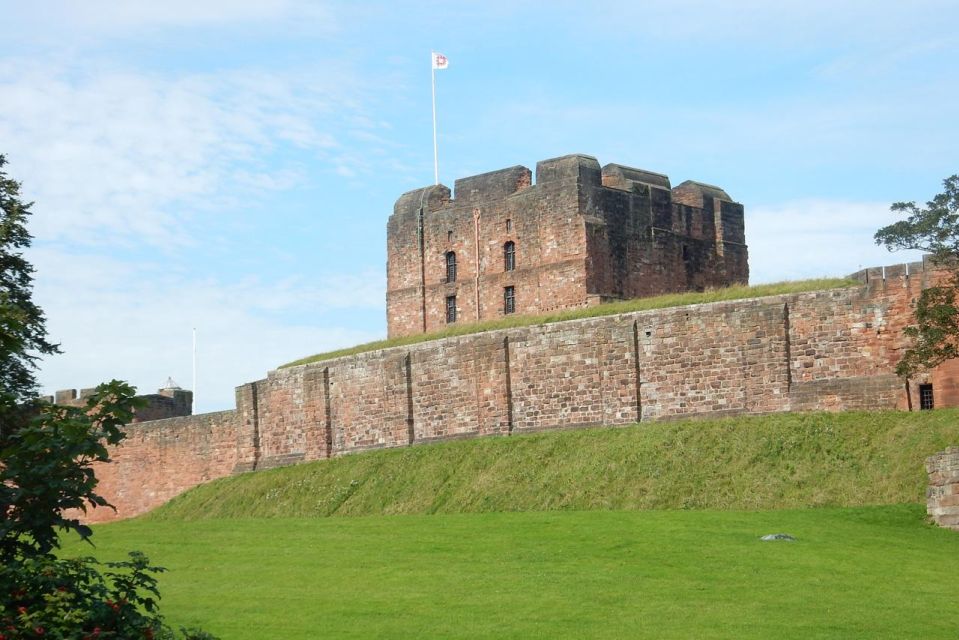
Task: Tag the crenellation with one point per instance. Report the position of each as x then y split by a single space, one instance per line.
573 169
617 176
487 187
699 194
167 402
902 272
65 396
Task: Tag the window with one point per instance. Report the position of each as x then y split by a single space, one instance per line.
509 300
509 226
450 266
450 309
449 236
926 400
509 255
685 252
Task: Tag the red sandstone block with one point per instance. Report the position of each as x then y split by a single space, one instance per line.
948 500
951 521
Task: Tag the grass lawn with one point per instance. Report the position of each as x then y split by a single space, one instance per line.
867 572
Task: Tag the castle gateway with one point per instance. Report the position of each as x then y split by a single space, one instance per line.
581 235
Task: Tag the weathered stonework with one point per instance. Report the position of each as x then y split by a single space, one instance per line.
942 496
826 350
165 403
581 235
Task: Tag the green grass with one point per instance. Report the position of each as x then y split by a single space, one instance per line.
650 531
612 308
869 573
759 462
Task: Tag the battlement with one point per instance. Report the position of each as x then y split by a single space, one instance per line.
494 185
895 272
573 169
168 402
581 234
579 168
699 194
431 198
617 176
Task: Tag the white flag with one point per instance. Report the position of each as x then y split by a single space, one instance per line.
440 61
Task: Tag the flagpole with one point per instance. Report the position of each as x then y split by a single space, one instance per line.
193 405
436 163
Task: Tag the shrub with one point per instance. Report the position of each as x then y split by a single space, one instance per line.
46 469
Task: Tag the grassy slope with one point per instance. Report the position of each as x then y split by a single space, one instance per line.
770 462
875 572
626 306
241 570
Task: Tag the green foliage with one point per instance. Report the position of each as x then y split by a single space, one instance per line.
736 292
47 468
758 462
23 334
867 573
934 229
935 336
74 598
46 480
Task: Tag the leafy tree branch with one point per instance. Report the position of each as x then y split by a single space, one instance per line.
934 229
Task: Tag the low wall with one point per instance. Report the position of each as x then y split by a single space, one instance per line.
163 458
826 350
942 496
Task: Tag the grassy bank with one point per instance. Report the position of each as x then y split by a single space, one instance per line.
769 462
867 573
575 534
626 306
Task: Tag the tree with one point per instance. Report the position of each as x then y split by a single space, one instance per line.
48 469
935 230
47 455
23 334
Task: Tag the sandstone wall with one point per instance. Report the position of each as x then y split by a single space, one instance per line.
827 350
161 459
942 496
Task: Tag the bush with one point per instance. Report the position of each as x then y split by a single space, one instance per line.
47 597
46 469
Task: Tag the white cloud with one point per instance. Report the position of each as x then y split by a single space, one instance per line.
115 155
127 165
817 238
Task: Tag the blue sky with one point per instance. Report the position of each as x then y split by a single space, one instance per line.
230 165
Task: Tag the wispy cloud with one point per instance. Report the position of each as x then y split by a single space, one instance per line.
817 238
115 155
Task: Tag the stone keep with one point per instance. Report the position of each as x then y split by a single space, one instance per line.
581 235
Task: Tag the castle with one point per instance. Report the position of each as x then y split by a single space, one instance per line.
581 235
